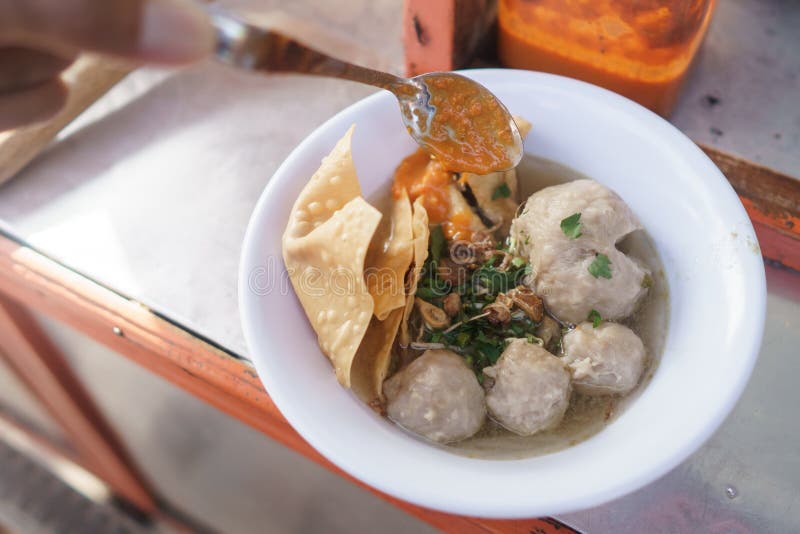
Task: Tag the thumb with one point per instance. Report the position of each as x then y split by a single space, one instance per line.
160 31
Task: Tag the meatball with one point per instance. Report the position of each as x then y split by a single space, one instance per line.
436 396
530 391
560 263
607 360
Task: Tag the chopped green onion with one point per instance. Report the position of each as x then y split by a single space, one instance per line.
571 226
600 267
595 318
437 242
501 191
534 339
462 339
428 293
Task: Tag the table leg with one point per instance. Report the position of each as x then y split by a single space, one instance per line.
46 373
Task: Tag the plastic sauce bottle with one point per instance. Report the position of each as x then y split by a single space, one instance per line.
641 49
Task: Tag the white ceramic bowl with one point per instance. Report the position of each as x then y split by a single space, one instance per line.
712 263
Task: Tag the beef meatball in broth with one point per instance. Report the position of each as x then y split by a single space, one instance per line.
436 396
607 360
560 263
530 391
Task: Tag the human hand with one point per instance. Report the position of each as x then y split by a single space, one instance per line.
41 38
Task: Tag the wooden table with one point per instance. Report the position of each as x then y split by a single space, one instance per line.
128 229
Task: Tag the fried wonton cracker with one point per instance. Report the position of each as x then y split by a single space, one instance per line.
333 185
372 360
324 248
389 256
419 222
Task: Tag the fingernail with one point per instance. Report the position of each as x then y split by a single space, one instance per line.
175 31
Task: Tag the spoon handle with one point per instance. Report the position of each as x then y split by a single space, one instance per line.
262 49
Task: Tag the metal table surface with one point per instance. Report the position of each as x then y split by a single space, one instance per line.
150 192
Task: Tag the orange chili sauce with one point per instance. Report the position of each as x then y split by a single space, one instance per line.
641 50
469 131
459 226
424 177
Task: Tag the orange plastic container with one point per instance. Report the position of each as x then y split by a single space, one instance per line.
639 48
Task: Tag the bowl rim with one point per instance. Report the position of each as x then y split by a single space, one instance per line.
449 503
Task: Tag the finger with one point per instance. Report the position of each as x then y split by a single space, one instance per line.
163 31
21 68
35 104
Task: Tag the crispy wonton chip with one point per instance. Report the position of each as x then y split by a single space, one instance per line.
326 268
372 360
324 248
333 185
388 258
419 222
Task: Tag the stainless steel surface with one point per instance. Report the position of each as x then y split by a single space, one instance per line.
265 48
743 95
151 191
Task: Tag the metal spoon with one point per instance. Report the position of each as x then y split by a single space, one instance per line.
473 131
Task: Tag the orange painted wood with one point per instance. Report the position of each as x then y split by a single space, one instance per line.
47 443
778 246
46 373
772 201
444 34
225 382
